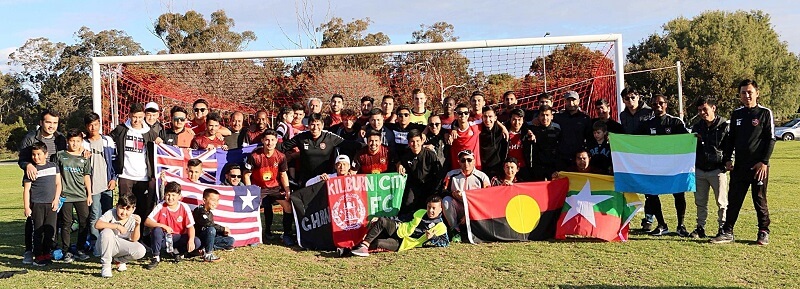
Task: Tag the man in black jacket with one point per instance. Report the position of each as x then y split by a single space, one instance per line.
711 131
423 169
752 138
493 145
575 128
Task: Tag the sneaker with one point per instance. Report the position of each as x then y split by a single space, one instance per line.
722 238
287 240
178 258
106 271
456 238
269 237
659 231
763 237
229 249
698 232
646 226
122 267
42 260
80 255
343 252
153 263
210 257
27 258
682 232
68 258
360 250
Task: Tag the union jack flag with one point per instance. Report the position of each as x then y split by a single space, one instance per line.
238 207
173 159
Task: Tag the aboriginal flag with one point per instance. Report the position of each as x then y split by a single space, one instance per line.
520 212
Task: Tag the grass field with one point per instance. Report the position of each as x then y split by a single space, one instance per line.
644 261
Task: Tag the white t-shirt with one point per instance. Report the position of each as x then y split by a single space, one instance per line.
135 167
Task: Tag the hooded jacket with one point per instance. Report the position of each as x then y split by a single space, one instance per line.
118 135
711 139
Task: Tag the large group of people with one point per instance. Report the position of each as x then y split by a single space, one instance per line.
444 150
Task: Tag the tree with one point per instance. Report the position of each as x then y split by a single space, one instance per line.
59 75
15 101
336 33
191 33
718 49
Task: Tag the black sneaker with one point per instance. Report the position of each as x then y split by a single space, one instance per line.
682 232
178 258
763 237
698 232
153 264
646 226
722 238
659 231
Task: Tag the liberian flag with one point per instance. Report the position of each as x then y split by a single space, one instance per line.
238 207
658 164
594 209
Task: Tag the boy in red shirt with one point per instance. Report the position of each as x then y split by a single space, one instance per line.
211 139
171 219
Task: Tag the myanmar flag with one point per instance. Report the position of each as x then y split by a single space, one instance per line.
594 209
520 212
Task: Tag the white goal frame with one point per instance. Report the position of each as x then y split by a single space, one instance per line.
615 38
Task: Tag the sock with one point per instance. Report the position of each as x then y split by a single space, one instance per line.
288 218
158 258
268 218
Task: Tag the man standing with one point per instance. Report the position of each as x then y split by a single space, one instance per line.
419 114
256 131
178 134
448 115
236 123
402 127
132 138
152 114
375 158
314 106
104 179
387 106
635 114
542 158
268 170
376 123
493 144
604 115
49 135
575 127
712 132
366 107
335 116
519 138
752 139
436 140
422 168
476 101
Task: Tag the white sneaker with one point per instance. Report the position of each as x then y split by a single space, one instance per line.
106 271
122 267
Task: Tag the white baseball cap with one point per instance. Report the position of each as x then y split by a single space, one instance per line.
343 158
151 106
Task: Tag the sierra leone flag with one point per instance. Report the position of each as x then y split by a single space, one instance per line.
594 209
520 212
658 164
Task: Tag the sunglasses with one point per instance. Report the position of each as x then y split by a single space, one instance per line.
462 112
661 103
630 98
403 114
434 124
178 119
199 110
466 160
236 176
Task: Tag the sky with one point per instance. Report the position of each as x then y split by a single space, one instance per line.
275 22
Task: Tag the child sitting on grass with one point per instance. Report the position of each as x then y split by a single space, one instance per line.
119 236
212 235
425 227
171 219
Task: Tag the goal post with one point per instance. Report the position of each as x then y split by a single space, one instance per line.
106 71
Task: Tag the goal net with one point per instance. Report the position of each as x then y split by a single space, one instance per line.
254 80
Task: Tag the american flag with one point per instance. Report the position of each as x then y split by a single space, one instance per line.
238 207
173 160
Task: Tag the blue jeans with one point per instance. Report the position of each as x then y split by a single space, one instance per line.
179 242
101 203
212 239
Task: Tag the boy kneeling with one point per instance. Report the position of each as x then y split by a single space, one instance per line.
173 226
212 236
119 235
424 228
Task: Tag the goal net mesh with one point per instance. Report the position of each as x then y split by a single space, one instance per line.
248 85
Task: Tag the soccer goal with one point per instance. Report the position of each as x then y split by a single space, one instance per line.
248 81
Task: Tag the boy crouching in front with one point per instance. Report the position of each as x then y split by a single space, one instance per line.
119 236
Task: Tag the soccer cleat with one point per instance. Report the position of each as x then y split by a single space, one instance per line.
288 240
210 257
27 258
682 232
763 237
153 263
659 231
68 258
80 255
698 232
360 250
724 237
106 271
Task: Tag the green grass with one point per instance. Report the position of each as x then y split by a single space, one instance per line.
644 261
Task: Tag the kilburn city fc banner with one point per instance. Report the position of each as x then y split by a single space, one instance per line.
334 214
520 212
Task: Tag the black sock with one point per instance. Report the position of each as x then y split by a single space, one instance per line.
288 218
268 217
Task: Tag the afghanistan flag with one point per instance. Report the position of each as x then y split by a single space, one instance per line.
520 212
334 214
594 209
653 164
